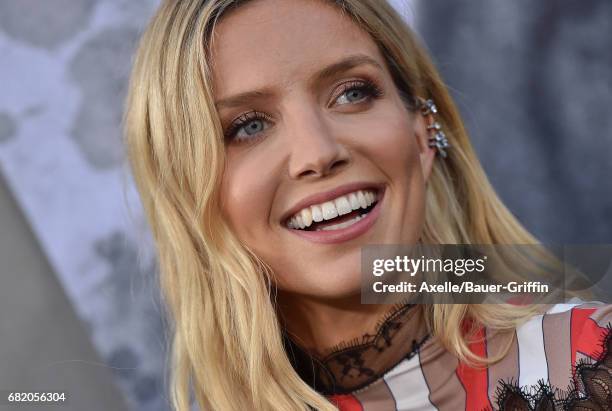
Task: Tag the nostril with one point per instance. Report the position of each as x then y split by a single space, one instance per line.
317 156
308 173
339 164
336 166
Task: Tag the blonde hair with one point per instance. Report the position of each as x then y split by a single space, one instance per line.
227 343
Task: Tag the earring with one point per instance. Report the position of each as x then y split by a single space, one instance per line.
437 137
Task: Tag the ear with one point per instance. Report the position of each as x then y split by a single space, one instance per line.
427 154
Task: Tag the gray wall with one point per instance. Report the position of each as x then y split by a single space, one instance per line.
64 70
533 80
43 346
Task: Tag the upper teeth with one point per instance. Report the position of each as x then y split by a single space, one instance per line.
332 209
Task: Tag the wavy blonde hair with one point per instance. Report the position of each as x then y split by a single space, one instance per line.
226 339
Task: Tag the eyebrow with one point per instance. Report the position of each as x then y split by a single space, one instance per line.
326 73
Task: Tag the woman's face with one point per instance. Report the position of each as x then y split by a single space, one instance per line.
315 128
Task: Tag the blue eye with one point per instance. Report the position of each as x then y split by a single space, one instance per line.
247 126
252 125
357 91
355 95
250 128
351 96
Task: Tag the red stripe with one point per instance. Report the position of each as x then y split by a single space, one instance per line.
475 380
346 402
586 335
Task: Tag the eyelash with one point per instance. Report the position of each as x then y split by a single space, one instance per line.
371 90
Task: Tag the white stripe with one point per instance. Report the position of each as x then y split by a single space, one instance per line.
408 386
532 358
561 308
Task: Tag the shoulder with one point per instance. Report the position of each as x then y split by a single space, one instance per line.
579 328
557 356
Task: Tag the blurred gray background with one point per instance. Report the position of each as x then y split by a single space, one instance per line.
533 80
78 305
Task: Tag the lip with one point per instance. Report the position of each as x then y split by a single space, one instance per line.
344 234
330 195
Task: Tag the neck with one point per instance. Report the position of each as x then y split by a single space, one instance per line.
319 325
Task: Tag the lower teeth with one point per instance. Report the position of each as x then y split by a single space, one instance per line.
342 225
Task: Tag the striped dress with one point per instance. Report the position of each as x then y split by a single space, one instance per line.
561 360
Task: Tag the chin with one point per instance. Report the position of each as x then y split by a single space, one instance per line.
330 287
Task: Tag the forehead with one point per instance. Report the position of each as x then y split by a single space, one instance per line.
280 42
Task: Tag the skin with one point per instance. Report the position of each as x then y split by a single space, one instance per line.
315 138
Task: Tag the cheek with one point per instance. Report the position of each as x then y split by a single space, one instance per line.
397 154
245 199
394 145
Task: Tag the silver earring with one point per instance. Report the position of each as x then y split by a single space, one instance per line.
437 137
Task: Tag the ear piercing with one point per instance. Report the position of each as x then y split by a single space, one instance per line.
437 137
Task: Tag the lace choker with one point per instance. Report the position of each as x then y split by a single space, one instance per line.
356 364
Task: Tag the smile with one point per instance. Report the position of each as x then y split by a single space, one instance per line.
336 214
344 218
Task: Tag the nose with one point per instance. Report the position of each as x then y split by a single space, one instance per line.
315 150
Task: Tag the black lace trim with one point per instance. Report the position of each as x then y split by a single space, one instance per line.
354 365
591 389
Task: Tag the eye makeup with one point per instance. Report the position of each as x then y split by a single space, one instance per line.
244 128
